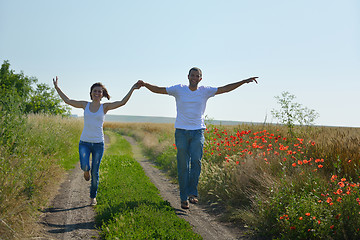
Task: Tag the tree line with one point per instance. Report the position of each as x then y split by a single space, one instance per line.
21 95
24 94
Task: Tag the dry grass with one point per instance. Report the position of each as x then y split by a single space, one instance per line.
31 172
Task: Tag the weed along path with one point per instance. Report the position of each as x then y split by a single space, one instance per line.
204 224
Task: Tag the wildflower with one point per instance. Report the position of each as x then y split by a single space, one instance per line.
320 166
329 200
237 162
339 191
292 228
333 178
332 226
307 214
300 162
294 164
341 184
343 179
300 218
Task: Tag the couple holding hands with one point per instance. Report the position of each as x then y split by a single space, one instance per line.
189 128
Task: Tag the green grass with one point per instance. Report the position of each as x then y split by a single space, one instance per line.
129 205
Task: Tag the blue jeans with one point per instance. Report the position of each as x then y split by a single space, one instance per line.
189 144
97 151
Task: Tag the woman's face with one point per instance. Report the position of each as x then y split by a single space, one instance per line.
97 93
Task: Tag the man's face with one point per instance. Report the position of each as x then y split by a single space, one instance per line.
194 78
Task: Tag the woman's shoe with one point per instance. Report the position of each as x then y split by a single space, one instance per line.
185 205
87 175
93 202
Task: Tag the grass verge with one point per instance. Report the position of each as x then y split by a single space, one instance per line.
34 154
129 205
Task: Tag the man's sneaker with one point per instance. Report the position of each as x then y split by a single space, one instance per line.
93 202
87 175
185 205
193 199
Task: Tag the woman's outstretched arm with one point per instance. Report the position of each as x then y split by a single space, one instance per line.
117 104
71 102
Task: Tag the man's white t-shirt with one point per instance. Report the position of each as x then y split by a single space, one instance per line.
190 105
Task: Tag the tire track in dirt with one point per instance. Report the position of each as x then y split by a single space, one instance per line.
203 223
70 216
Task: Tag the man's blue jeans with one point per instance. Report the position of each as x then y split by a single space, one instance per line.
97 151
189 144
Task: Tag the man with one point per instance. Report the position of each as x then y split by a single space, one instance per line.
189 134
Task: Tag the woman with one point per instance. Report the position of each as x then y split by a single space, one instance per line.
92 137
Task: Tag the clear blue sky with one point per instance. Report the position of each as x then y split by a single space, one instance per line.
309 48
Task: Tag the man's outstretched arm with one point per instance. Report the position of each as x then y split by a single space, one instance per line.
232 86
153 88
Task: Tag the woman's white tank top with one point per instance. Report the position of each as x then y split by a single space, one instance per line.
93 125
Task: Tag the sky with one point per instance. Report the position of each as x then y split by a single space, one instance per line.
308 48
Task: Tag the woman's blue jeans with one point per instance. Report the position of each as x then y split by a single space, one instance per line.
97 151
189 144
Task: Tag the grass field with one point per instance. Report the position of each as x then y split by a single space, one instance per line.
283 187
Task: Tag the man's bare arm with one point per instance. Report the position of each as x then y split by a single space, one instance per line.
153 88
233 86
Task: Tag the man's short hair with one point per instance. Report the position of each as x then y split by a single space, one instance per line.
195 69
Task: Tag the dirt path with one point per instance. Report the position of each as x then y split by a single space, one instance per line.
203 223
70 216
